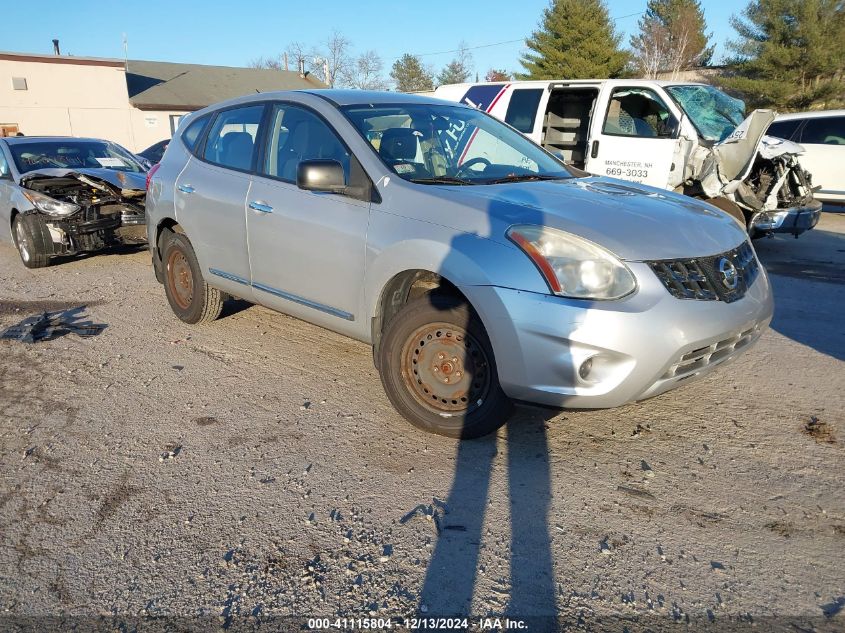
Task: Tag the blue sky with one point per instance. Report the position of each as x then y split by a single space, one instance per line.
233 33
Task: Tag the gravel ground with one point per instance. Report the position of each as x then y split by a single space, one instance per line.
254 467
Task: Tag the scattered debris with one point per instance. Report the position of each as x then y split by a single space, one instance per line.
636 492
820 431
716 565
52 325
170 451
641 429
832 608
435 512
205 420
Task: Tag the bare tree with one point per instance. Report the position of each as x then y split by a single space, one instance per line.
671 38
332 63
367 72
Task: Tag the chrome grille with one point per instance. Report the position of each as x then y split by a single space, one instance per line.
690 363
723 277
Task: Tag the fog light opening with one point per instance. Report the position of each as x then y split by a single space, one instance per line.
585 369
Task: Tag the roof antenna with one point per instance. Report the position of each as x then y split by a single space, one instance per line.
56 49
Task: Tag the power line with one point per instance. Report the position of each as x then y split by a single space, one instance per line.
521 39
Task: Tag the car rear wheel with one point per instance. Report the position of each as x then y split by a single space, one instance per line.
190 298
437 367
33 240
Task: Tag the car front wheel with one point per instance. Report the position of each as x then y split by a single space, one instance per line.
190 298
437 367
33 240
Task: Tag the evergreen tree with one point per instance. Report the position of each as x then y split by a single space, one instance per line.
790 54
671 38
410 75
575 40
453 73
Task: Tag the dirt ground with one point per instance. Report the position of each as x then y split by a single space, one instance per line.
254 467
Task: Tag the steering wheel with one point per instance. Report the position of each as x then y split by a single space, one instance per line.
478 160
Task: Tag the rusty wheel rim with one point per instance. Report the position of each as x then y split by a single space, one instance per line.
445 369
180 279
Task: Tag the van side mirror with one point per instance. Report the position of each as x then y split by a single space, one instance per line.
321 175
673 128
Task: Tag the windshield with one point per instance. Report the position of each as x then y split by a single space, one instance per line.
713 113
443 144
71 154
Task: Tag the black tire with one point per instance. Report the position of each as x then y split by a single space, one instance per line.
415 377
190 298
33 240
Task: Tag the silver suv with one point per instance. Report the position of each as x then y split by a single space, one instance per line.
481 269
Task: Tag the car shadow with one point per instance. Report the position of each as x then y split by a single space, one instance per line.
808 281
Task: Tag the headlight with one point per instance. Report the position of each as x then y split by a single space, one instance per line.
50 205
572 266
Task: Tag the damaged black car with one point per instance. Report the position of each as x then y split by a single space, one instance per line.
63 196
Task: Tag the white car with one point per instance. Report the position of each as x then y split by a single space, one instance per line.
822 134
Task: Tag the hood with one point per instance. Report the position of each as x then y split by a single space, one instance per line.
635 222
125 181
736 153
772 147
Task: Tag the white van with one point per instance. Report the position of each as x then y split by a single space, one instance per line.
688 137
822 135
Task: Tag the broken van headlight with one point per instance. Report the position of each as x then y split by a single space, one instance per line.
49 205
572 266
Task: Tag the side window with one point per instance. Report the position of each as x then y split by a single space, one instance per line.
784 129
4 165
522 109
191 135
297 134
231 140
638 112
828 130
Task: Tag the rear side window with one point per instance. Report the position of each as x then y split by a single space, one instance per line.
522 109
191 135
231 140
784 129
829 130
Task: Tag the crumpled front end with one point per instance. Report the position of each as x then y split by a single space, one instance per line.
92 210
761 176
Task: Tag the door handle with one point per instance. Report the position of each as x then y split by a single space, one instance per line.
255 205
594 152
186 188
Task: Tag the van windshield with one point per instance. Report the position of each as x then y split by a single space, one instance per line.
72 154
453 145
713 113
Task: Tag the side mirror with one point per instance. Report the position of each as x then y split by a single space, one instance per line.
321 175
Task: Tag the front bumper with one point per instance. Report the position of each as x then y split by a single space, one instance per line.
795 220
638 347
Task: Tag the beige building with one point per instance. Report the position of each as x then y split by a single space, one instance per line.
134 103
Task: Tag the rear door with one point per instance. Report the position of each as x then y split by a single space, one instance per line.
211 194
823 139
306 248
633 136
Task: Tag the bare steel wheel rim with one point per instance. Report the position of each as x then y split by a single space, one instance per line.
22 240
445 369
180 279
